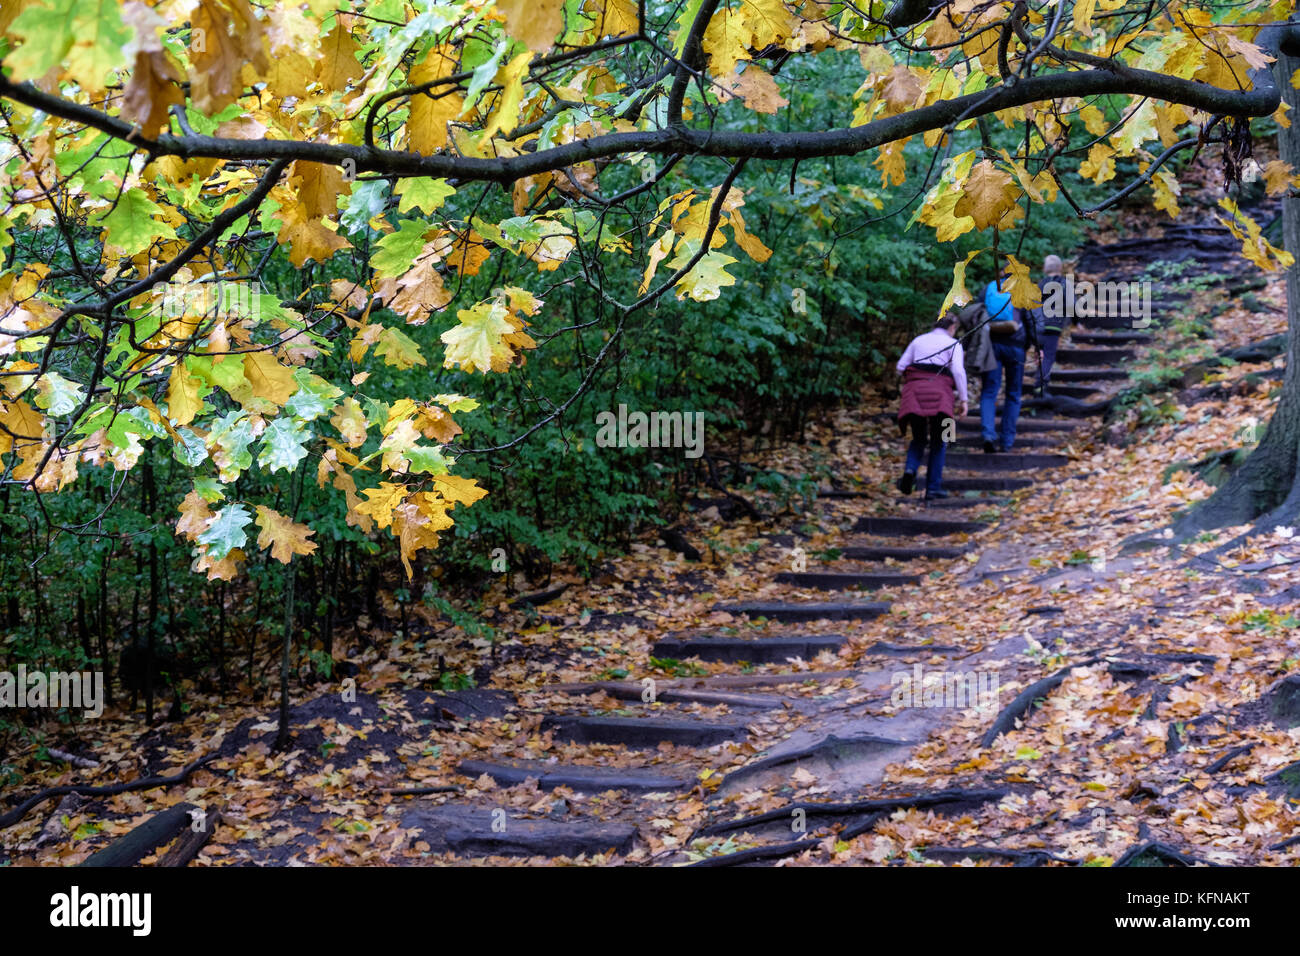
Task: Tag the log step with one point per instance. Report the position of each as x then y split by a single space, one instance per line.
1006 461
1111 338
575 777
766 650
641 733
911 527
1069 355
875 553
814 611
986 483
1069 391
668 694
482 831
972 424
1116 322
963 502
976 442
1088 374
845 580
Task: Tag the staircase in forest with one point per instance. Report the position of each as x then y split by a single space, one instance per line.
671 741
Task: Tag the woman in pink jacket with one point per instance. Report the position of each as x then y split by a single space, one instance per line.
933 368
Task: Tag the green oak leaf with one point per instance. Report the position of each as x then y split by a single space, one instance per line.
282 445
226 531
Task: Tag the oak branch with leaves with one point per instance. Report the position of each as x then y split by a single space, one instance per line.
160 155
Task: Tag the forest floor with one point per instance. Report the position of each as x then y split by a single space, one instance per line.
731 710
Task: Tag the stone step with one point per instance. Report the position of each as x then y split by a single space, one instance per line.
1004 461
1068 355
914 527
870 552
482 831
1111 338
812 611
972 424
986 483
845 580
575 777
1088 374
641 733
765 650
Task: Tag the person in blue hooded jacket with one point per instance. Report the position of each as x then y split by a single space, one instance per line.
1010 338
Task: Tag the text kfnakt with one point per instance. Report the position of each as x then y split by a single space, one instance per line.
82 690
651 430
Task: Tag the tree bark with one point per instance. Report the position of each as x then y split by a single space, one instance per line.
1264 489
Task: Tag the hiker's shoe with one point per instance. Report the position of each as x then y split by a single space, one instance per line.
989 448
929 495
907 482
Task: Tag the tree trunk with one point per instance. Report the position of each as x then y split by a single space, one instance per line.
1265 486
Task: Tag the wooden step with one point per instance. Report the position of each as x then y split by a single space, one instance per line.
870 552
1002 461
986 483
764 650
1111 338
976 442
668 693
916 527
641 732
845 580
811 611
1117 322
972 424
1070 391
956 502
575 777
1068 355
1087 374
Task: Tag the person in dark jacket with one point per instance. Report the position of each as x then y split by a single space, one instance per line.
1055 315
933 368
1009 349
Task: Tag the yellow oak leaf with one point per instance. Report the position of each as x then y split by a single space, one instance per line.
458 490
282 535
268 378
195 515
183 401
350 420
989 194
381 501
534 23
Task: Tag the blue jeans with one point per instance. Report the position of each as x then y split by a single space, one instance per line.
927 432
1011 359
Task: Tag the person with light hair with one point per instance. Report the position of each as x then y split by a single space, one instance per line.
1053 318
934 375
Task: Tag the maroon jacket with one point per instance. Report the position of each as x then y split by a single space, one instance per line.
925 394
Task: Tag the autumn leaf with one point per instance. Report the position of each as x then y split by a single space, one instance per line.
989 194
283 536
269 379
